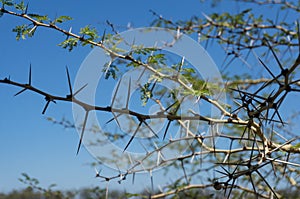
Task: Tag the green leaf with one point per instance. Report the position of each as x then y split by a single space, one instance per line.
39 18
62 19
111 71
69 43
20 30
146 94
296 146
157 59
90 32
7 2
142 50
21 6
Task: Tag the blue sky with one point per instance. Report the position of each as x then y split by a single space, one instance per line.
28 142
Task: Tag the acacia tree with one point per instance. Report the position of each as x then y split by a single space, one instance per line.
249 150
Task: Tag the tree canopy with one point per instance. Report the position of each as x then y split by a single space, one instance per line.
230 128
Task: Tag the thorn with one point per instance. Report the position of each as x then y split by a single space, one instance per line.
263 178
252 150
145 149
277 60
97 173
231 187
150 128
128 93
285 165
168 125
115 117
24 89
26 9
29 78
252 96
207 17
82 132
133 177
103 36
135 132
158 157
154 84
171 106
6 79
252 183
180 67
80 89
111 119
69 82
266 67
151 178
298 30
277 113
32 30
184 172
69 32
115 94
174 112
46 106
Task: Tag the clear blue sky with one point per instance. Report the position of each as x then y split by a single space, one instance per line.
28 142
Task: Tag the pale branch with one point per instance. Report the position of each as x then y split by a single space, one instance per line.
279 2
188 187
203 186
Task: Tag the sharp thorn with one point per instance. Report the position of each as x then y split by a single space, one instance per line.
151 178
150 129
26 9
80 89
29 78
46 106
266 67
167 128
82 131
132 137
128 93
154 84
103 36
115 94
277 60
69 81
21 91
133 177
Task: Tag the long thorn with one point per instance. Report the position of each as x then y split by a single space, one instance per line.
150 128
277 60
115 94
80 89
135 132
128 93
267 68
46 106
168 125
29 78
21 91
69 81
82 131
